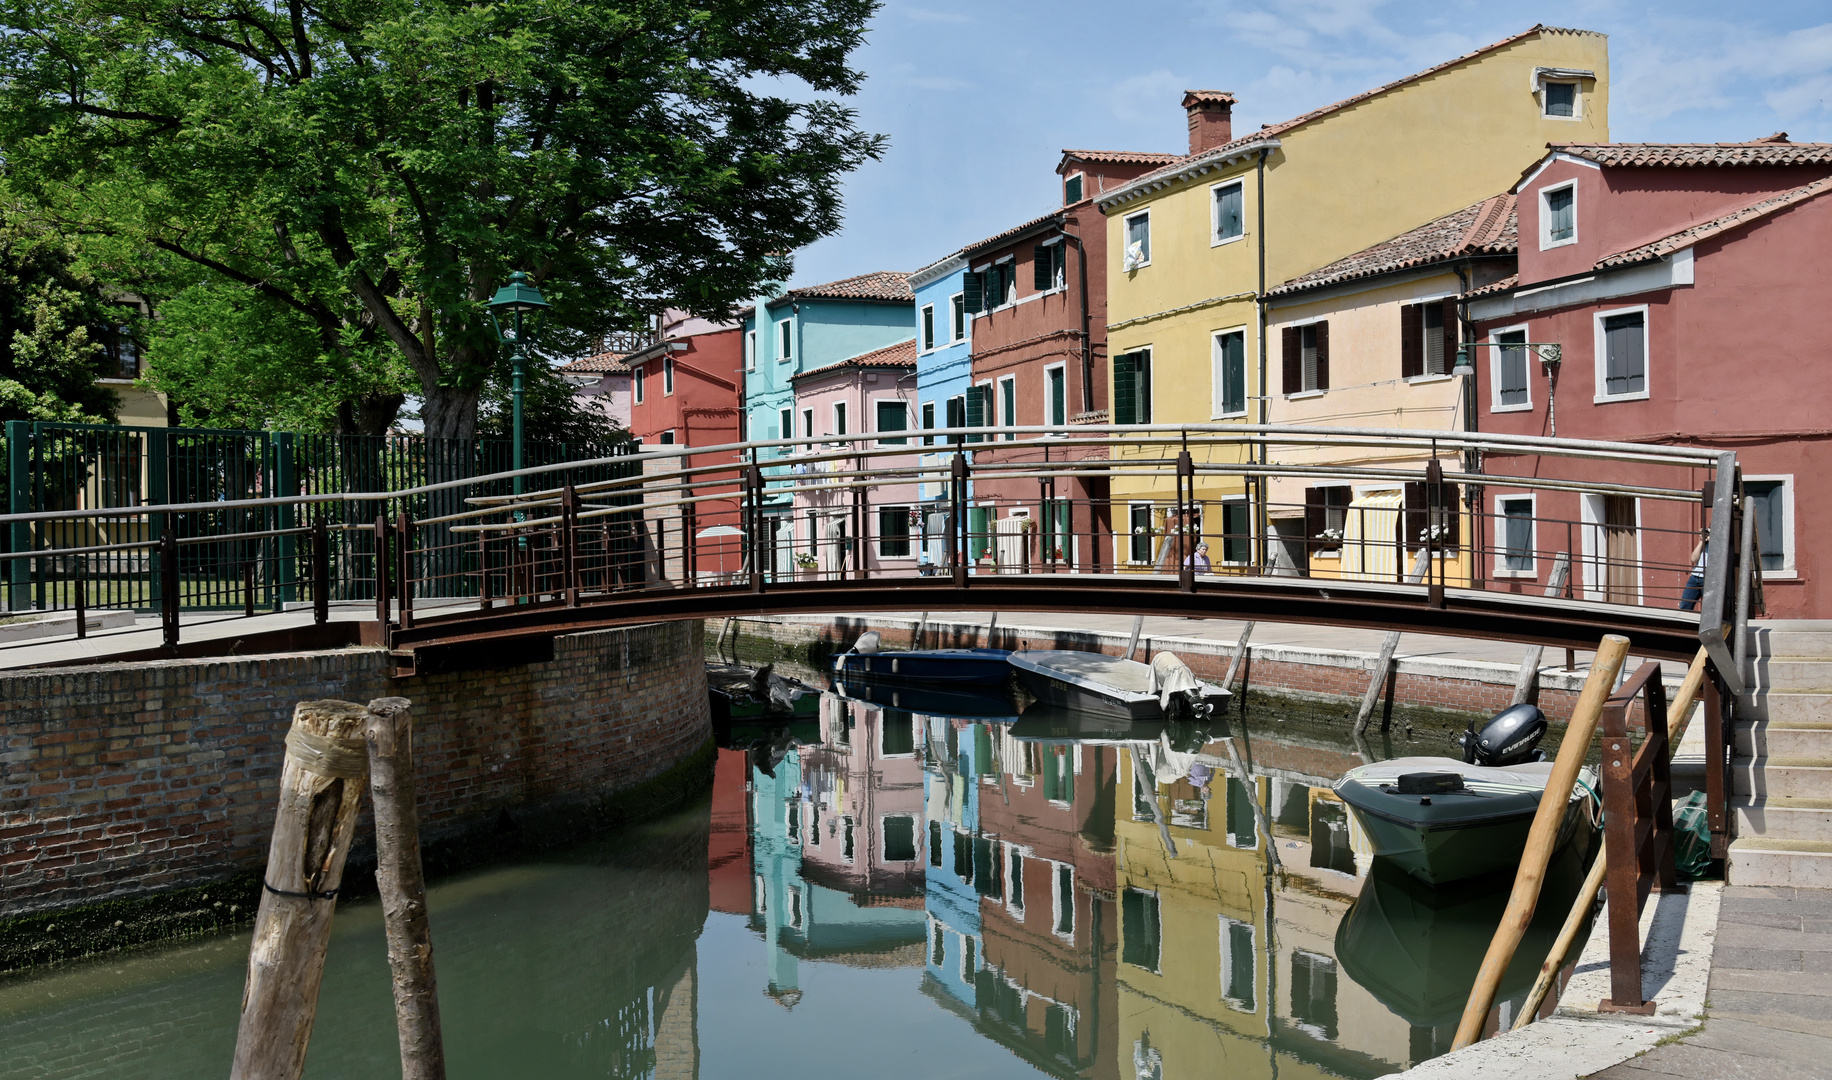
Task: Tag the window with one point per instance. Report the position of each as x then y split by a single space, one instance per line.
846 826
1558 222
787 418
1138 241
794 822
785 336
957 307
668 437
795 907
894 532
1622 346
636 382
1004 277
1056 396
120 353
1008 405
750 350
963 857
667 375
928 422
989 288
1016 877
1313 994
979 409
1230 373
1236 533
1139 526
1229 221
928 327
1139 931
1065 900
1326 511
1773 508
1512 389
1305 355
938 938
808 423
935 860
1132 387
1238 958
1427 338
839 418
1071 189
899 838
1431 514
1047 266
1514 515
1243 832
893 416
957 417
1560 99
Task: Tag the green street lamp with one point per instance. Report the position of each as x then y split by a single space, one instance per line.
516 313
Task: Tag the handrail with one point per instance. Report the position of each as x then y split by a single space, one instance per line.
1719 557
1637 830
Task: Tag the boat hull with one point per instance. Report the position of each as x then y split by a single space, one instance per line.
1091 682
955 667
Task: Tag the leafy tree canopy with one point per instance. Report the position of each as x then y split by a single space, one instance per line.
551 412
376 168
50 315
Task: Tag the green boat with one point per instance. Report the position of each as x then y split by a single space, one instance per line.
1444 820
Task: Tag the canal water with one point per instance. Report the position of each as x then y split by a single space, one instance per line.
876 891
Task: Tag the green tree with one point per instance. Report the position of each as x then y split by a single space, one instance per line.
50 312
551 412
377 168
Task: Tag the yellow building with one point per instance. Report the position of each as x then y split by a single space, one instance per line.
1195 245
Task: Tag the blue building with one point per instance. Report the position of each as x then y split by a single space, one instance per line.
951 800
944 370
803 330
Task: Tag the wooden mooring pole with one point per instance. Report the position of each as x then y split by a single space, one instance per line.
321 790
1526 683
1383 665
403 887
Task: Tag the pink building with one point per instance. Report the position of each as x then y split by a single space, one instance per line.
872 392
863 790
1685 286
603 380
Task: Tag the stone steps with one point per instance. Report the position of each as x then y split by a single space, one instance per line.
1764 704
1783 738
1761 860
1807 778
1783 817
1781 775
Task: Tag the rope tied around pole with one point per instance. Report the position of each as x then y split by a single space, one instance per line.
334 759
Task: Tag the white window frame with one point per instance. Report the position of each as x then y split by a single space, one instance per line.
1789 569
1056 870
667 438
1008 276
1008 404
1577 99
786 417
1494 337
925 325
1126 232
1546 243
1594 543
911 539
636 384
785 340
667 376
959 325
836 416
1065 187
1238 1004
750 350
808 423
1219 558
1014 889
1215 237
1059 281
1130 507
884 858
1501 555
1215 395
907 430
1063 368
1600 358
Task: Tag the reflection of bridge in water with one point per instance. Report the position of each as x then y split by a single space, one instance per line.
1099 919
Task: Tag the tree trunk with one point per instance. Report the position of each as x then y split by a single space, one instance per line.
403 888
449 412
321 789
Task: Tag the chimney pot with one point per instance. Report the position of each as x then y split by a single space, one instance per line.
1211 117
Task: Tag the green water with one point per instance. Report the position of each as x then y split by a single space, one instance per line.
881 894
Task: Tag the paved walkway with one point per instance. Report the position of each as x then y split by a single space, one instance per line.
1770 994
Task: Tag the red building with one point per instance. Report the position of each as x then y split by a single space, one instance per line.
1685 285
1037 294
686 390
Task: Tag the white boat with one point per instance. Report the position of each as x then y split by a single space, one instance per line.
1109 684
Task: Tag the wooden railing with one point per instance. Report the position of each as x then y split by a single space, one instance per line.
1637 829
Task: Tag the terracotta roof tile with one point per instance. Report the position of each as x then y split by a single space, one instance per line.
900 355
880 285
1486 228
1122 157
1273 131
1686 237
1682 155
602 362
1015 230
1205 97
1506 284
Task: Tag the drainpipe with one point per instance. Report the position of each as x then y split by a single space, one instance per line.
1265 395
1475 497
1087 341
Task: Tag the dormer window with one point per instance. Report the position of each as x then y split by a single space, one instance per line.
1558 221
1071 190
1560 100
1560 92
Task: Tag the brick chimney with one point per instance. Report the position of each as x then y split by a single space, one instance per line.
1211 114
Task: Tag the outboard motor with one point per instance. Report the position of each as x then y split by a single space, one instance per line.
1510 737
868 643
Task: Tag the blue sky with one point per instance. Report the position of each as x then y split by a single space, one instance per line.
979 98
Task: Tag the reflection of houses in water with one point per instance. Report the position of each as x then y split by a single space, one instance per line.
1028 861
836 848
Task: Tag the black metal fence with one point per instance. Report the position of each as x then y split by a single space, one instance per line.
237 557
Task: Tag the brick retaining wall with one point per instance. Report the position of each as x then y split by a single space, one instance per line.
117 781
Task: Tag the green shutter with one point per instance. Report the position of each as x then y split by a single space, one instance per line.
972 292
1125 389
976 411
1043 267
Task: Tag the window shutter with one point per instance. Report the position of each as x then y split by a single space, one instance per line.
1125 389
1453 517
1453 335
1043 269
1413 525
1411 343
1316 519
1323 356
976 410
1291 352
972 292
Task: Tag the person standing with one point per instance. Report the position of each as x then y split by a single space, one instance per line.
1695 582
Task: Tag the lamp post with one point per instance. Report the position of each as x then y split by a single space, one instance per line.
516 313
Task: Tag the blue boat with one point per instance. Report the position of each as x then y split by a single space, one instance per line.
950 667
